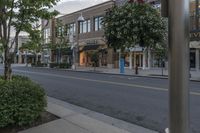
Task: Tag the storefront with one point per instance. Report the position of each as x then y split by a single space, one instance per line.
133 57
194 55
63 55
86 52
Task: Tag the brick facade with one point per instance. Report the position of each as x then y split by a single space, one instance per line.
83 39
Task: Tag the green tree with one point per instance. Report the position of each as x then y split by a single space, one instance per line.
34 44
160 52
94 59
1 52
20 15
161 49
1 48
62 39
133 23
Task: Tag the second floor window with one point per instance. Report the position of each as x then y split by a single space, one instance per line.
60 31
72 29
84 26
97 23
47 35
88 26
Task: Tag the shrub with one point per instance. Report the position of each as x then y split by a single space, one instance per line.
64 65
22 78
22 101
53 65
39 64
60 65
33 64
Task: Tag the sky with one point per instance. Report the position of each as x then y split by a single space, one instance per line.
69 6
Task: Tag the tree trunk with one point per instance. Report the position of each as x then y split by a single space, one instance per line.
94 67
7 65
36 58
14 55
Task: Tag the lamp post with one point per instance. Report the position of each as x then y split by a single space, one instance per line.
73 53
75 47
178 13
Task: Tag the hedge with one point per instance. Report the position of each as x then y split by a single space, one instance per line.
39 64
60 65
21 101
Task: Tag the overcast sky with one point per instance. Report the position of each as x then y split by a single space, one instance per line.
68 6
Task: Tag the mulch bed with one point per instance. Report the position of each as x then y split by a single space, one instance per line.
45 118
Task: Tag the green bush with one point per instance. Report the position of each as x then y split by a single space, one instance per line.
64 65
21 101
53 65
39 64
60 65
22 78
33 64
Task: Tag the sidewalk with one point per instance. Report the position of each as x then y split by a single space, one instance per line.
74 119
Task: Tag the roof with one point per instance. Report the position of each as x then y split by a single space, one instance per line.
104 3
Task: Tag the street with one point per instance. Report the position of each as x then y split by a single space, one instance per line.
139 100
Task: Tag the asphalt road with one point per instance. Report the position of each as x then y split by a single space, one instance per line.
139 100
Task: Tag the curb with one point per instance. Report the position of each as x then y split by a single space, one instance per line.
72 110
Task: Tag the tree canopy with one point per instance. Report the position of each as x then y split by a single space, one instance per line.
21 15
61 34
134 23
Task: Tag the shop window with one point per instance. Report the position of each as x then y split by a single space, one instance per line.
192 59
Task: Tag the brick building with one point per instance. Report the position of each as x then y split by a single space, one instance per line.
87 35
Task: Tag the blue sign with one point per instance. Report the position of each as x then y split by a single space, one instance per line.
121 65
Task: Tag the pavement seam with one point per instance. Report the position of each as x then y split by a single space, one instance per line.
51 99
96 120
75 113
77 125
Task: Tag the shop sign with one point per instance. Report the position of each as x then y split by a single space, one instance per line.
136 49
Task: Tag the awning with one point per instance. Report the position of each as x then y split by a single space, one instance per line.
90 47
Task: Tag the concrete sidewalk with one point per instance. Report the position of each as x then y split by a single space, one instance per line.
74 119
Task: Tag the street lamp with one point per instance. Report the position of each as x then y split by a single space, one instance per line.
75 47
178 13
